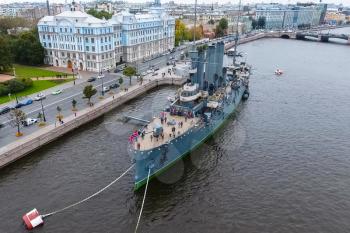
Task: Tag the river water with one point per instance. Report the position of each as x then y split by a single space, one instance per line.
282 165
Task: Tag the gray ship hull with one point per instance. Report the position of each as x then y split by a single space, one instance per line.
161 158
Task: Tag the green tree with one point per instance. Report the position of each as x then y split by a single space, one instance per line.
221 28
17 117
254 24
129 71
261 22
99 14
120 80
223 24
27 48
89 91
74 105
5 55
14 22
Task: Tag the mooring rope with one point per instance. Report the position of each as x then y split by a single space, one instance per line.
143 202
89 197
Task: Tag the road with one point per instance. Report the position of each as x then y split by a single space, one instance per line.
63 100
70 92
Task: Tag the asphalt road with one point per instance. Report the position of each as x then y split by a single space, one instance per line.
70 92
63 100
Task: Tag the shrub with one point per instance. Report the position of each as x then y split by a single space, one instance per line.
3 90
15 85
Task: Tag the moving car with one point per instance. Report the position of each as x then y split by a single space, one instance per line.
56 92
114 85
117 70
39 96
100 76
29 121
106 89
4 110
91 79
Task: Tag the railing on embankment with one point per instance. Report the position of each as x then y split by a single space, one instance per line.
43 136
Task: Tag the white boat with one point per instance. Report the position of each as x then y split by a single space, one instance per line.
278 72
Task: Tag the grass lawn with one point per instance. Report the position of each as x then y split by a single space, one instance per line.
37 86
33 72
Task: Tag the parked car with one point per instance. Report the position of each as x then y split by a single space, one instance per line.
106 89
114 85
26 102
29 121
56 92
39 96
155 68
155 74
92 79
100 76
117 70
4 110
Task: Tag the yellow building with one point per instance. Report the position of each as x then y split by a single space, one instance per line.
335 18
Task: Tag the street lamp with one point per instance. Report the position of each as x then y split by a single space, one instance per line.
102 77
42 109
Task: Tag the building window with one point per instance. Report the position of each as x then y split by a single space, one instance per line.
101 48
92 40
88 57
93 48
87 48
86 40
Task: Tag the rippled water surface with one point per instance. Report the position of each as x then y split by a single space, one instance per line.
283 164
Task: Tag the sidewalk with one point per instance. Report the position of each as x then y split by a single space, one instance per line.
26 144
5 77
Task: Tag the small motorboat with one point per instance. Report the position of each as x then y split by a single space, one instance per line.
278 72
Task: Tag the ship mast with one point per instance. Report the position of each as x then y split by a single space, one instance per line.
195 24
236 38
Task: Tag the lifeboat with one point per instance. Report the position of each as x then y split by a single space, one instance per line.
278 72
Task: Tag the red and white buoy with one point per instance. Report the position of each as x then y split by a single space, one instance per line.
32 219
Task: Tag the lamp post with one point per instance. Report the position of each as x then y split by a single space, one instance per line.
42 109
14 75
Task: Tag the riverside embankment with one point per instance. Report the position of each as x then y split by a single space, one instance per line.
43 136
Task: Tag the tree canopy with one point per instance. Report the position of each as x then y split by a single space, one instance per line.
27 49
99 14
183 33
129 71
5 55
221 28
89 91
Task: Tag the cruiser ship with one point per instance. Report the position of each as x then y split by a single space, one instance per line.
210 95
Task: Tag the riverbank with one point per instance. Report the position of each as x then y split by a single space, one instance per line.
45 135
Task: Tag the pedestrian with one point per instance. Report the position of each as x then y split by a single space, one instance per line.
165 119
161 120
75 114
151 137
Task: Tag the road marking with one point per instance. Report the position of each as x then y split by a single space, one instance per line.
60 100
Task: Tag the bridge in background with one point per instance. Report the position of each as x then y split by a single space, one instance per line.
299 35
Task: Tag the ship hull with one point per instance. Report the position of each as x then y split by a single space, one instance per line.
162 158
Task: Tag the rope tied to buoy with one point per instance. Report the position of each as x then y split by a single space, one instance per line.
143 202
91 196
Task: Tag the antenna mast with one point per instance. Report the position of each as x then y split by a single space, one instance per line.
236 38
195 23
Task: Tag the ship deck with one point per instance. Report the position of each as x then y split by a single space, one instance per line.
148 142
